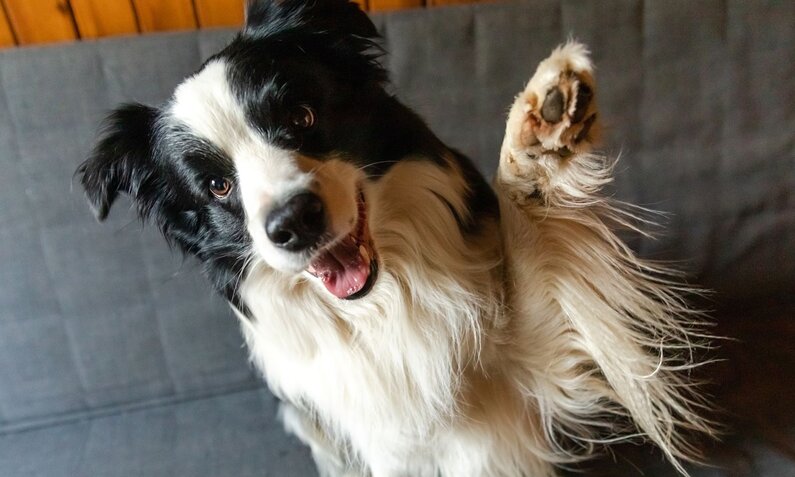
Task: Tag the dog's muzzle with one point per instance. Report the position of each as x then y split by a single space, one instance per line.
298 224
348 267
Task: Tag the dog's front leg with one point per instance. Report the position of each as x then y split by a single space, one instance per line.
605 335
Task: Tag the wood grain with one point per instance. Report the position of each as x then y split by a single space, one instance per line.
164 15
217 13
381 5
6 34
40 21
98 18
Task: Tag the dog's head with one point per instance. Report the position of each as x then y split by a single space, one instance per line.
264 150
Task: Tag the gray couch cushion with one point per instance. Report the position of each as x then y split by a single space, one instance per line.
230 435
95 315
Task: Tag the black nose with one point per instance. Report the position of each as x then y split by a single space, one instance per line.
298 223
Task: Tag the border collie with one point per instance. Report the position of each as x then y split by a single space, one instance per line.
414 319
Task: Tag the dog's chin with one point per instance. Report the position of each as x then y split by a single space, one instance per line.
348 266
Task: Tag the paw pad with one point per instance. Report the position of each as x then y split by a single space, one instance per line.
551 123
552 109
584 97
560 111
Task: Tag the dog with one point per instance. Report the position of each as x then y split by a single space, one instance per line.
413 319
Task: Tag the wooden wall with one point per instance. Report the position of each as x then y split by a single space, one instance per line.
26 22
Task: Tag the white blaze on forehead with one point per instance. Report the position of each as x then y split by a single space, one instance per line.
206 104
265 174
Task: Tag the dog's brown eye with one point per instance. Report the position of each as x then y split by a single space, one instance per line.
220 187
303 117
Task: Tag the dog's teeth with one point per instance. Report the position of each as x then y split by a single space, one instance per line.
363 251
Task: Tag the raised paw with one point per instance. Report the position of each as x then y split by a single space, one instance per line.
552 123
556 113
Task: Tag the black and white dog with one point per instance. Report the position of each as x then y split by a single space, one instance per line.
414 320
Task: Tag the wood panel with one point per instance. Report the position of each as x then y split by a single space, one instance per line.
217 13
381 5
163 15
6 34
98 18
40 21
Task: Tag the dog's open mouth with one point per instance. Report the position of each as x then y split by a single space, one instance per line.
348 267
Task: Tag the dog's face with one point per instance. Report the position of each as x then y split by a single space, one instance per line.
284 160
263 152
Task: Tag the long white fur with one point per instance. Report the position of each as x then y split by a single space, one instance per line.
611 333
383 373
501 356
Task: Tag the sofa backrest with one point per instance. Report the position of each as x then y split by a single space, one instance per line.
698 101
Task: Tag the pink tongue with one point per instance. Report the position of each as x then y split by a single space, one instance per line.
342 269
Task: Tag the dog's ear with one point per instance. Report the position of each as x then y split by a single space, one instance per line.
121 162
269 16
338 28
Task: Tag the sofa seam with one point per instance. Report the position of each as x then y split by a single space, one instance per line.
46 422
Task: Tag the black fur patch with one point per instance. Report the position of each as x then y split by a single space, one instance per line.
481 200
323 55
164 170
121 160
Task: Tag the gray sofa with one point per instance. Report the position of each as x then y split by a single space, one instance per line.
116 360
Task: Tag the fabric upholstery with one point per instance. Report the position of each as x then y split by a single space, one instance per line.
233 434
95 315
98 319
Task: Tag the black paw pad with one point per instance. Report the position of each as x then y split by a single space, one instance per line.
552 109
584 97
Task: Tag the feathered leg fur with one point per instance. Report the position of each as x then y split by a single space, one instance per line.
331 458
601 336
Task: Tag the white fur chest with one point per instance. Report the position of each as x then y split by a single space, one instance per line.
379 373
